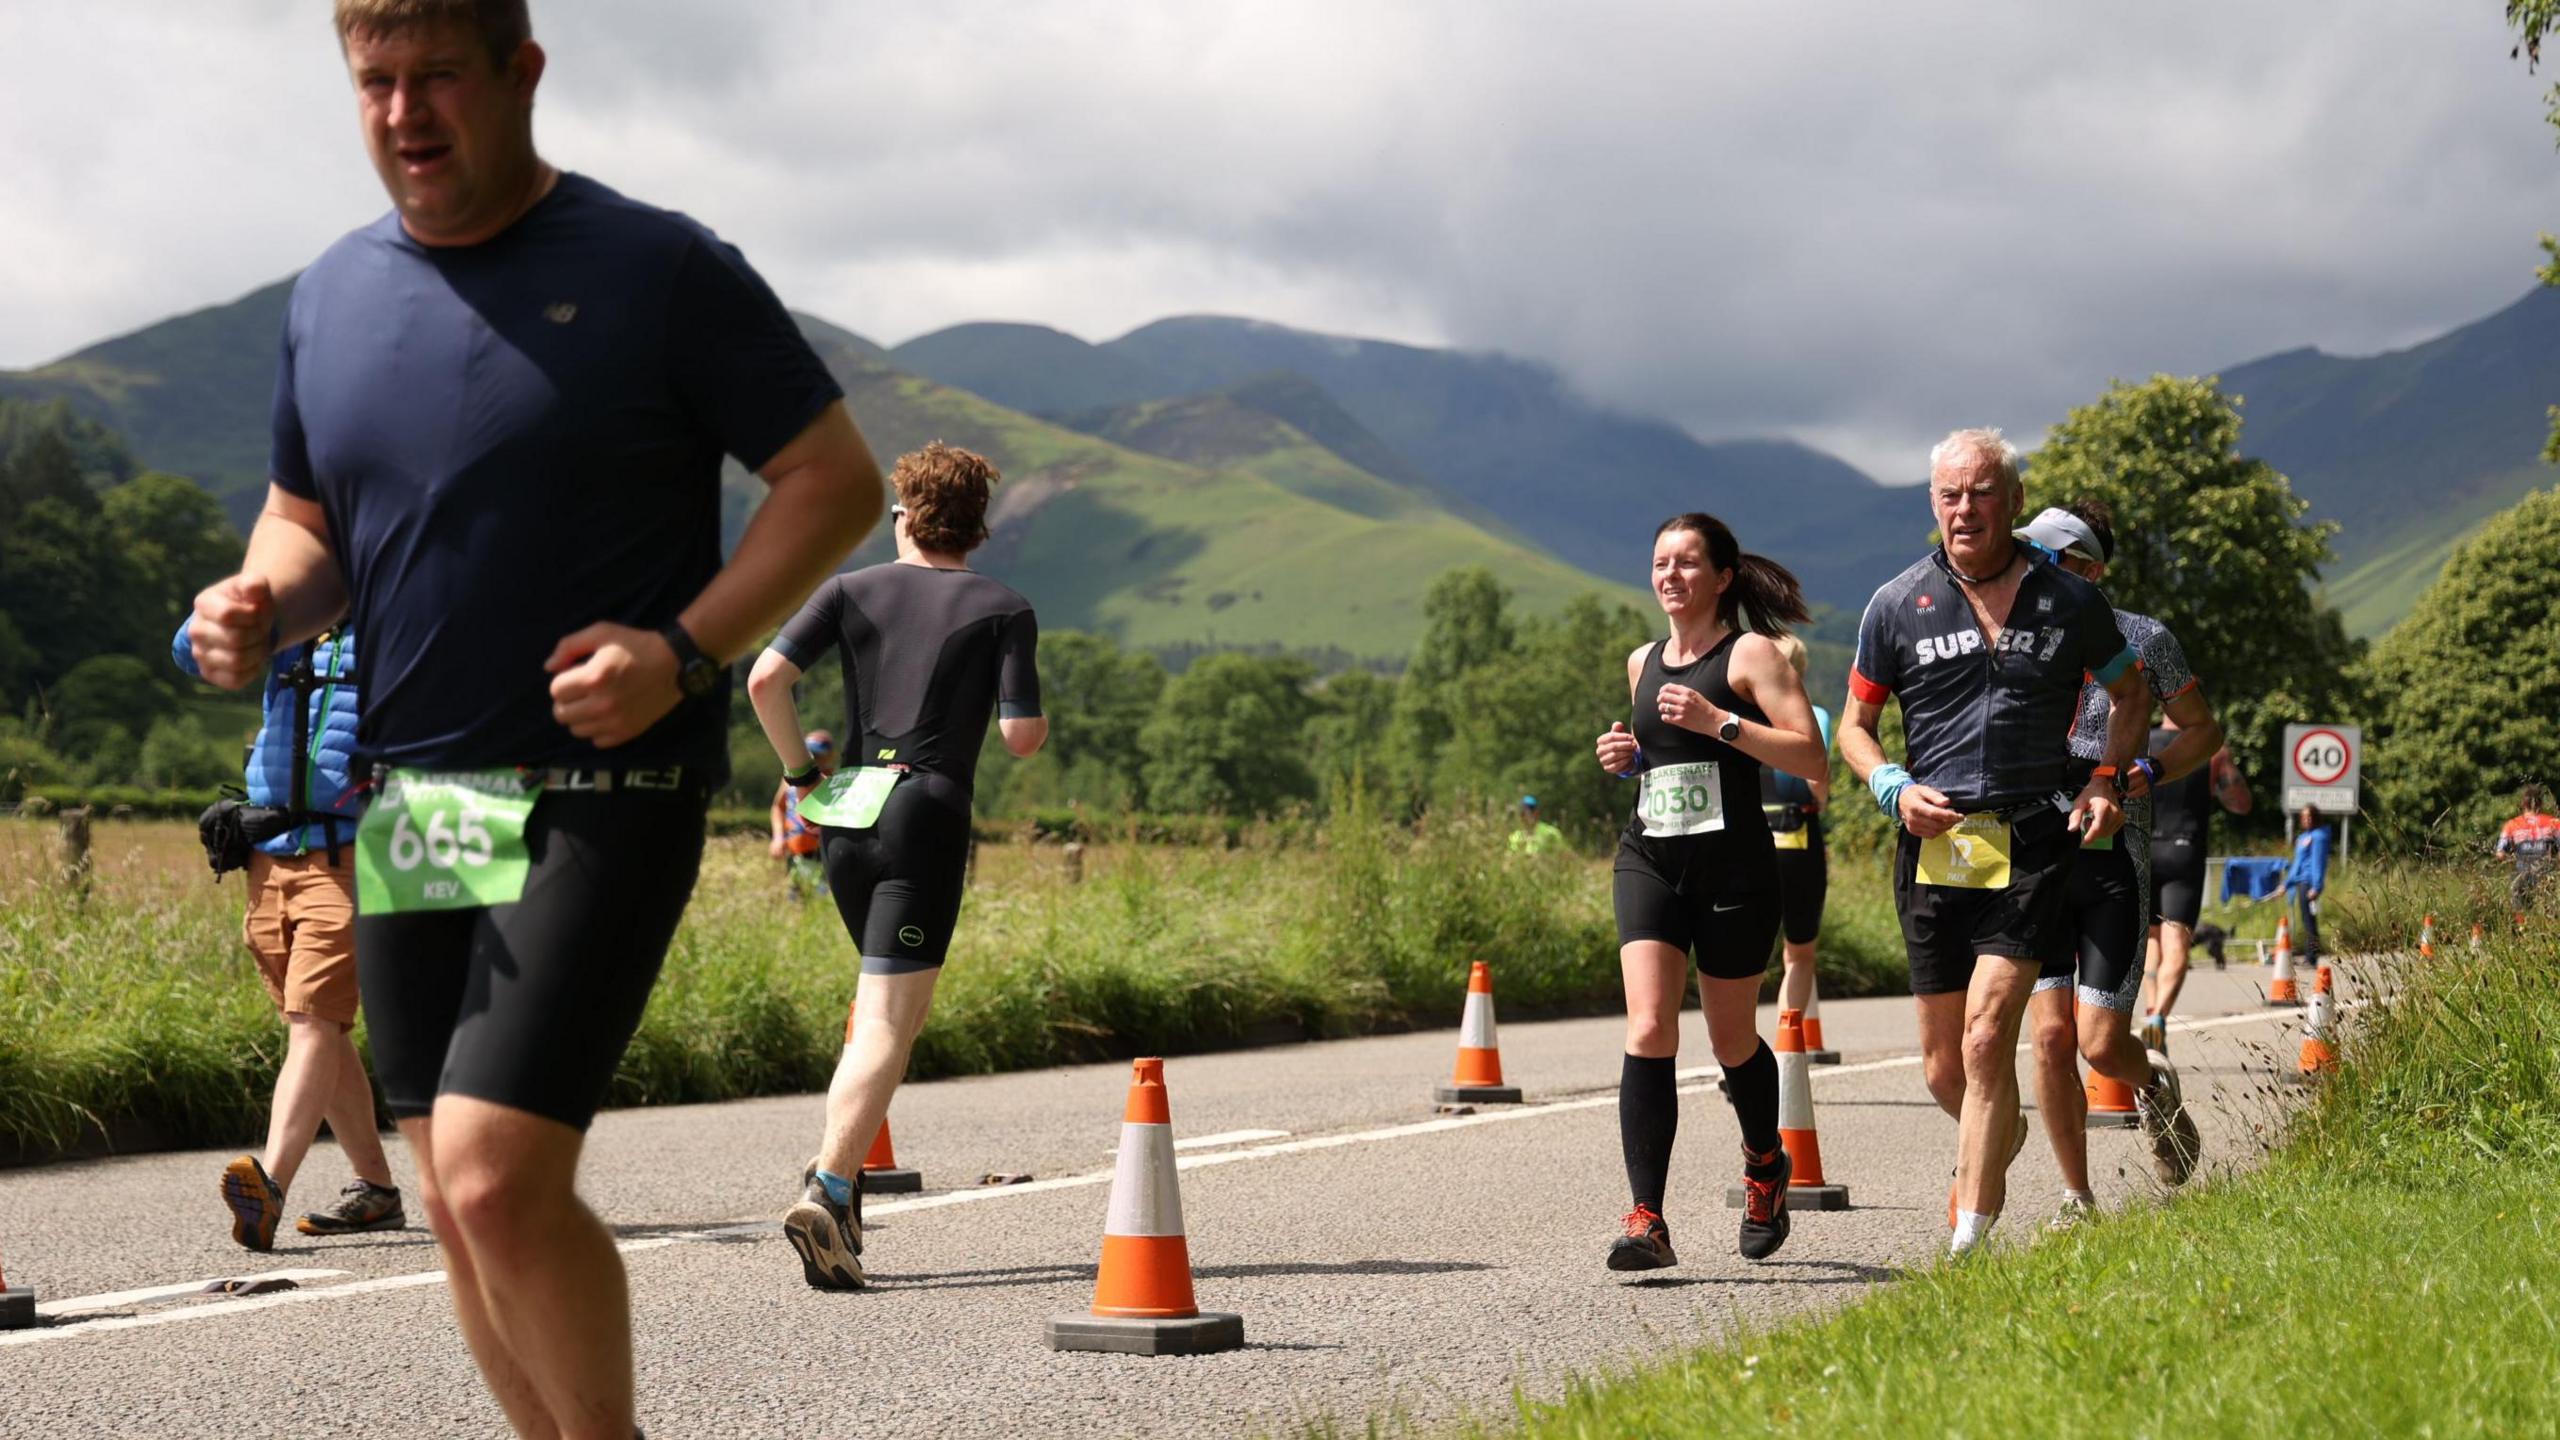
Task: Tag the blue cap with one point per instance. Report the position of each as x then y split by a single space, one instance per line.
1529 800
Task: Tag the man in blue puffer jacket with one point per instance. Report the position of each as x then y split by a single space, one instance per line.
301 928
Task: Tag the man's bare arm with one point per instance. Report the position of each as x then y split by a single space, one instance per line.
289 589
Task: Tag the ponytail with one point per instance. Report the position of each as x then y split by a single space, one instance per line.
1764 596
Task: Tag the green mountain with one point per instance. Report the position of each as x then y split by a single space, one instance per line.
1031 368
1500 437
1269 539
2411 450
189 395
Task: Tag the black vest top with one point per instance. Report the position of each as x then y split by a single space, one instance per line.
1746 829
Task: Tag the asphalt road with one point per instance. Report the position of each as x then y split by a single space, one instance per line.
1384 1258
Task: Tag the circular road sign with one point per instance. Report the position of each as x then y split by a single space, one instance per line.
2320 757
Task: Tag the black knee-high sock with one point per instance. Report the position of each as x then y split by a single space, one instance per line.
1754 1083
1648 1115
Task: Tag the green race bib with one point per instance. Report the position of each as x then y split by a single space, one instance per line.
1682 800
850 799
443 841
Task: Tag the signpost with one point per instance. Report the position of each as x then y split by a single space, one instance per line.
2324 769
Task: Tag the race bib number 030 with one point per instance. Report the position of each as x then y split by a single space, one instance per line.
1972 856
1682 800
443 841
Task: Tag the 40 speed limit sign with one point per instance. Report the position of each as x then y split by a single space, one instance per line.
2323 767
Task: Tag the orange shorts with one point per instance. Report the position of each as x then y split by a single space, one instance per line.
301 928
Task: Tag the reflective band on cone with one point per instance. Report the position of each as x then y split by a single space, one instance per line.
1142 1297
2317 1056
2282 990
1806 1189
1814 1049
1478 1077
17 1306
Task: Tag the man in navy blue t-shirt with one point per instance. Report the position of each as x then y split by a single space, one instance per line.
500 415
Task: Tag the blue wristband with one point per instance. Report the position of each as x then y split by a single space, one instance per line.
1635 769
1886 783
2150 771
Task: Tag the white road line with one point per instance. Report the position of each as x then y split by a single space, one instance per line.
1223 1137
981 1195
119 1299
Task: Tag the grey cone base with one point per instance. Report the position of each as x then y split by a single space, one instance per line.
17 1308
2115 1120
1203 1334
1823 1057
2284 1004
1800 1197
892 1182
1476 1094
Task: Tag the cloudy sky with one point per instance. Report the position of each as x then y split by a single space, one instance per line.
1855 223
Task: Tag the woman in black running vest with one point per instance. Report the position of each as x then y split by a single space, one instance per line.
1696 868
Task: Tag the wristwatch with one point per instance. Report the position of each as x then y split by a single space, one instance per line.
803 779
696 673
1731 729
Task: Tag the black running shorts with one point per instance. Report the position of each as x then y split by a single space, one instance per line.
530 1005
2111 931
1804 883
1944 928
2177 880
898 883
1730 922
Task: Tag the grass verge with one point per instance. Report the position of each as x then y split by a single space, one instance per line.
2393 1269
134 1012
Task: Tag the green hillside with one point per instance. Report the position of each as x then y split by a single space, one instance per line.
1031 368
1266 539
2410 450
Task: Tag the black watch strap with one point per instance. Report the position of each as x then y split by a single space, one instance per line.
803 779
696 672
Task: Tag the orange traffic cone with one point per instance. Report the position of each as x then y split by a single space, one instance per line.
2282 991
2427 939
2110 1102
2475 934
2316 1054
1814 1049
881 1174
1142 1301
17 1306
1806 1189
1478 1079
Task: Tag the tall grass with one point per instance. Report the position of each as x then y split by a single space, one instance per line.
134 1011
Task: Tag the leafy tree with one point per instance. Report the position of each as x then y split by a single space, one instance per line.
1349 736
59 586
1098 698
1523 722
1466 624
1228 737
181 756
2467 685
2212 544
111 690
174 541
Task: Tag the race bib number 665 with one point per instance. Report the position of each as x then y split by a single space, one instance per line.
443 841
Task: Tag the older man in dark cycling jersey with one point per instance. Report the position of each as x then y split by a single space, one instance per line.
1986 647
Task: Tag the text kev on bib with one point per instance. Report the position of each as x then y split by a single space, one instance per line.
444 840
850 799
1972 856
1682 800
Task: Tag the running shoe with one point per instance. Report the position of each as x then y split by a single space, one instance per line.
2166 1123
1764 1206
256 1203
361 1205
827 1235
2154 1034
1646 1245
2074 1213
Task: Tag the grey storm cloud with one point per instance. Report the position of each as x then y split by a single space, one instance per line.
1855 224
